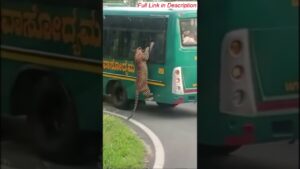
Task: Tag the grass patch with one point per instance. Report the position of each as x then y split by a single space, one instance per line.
122 149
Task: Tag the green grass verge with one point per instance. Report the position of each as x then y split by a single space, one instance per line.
122 149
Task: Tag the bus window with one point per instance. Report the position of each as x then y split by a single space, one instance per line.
111 43
188 29
108 42
152 30
123 44
157 55
123 34
133 43
116 36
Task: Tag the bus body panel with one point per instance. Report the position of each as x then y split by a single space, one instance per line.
239 130
276 62
81 88
186 57
58 51
216 20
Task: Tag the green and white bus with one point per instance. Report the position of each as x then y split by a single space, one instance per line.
50 70
172 64
248 72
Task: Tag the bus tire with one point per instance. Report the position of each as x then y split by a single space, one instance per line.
166 105
22 90
53 121
209 150
119 97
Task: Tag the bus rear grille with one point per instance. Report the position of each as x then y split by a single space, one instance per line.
192 98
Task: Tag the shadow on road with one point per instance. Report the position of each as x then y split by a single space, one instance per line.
18 152
187 110
238 162
176 112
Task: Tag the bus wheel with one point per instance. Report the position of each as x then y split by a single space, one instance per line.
53 121
208 150
166 105
119 97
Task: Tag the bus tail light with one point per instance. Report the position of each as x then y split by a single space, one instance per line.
177 85
237 72
235 48
236 83
238 97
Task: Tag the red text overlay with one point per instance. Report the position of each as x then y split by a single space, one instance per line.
168 5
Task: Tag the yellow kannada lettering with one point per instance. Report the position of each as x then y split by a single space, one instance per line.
57 25
118 66
30 25
39 24
9 20
295 3
89 33
69 29
45 23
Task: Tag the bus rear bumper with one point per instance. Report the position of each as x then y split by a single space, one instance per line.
185 99
250 130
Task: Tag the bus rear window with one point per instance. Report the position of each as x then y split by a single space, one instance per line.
188 30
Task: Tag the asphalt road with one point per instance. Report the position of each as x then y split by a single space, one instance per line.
277 155
18 153
177 131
